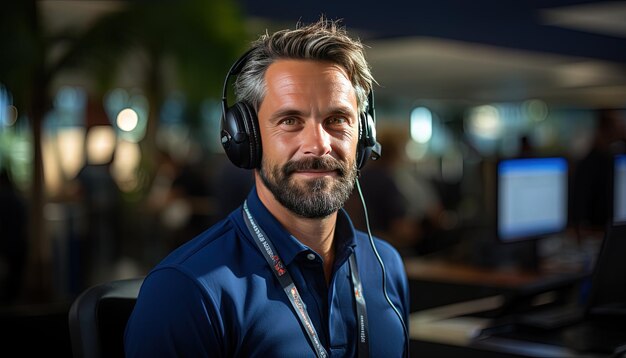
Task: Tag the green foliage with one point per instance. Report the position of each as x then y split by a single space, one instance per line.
21 49
200 37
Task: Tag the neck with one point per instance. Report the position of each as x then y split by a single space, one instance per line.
318 233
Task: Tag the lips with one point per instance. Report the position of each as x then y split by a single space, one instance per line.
316 173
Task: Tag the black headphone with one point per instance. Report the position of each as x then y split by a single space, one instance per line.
241 138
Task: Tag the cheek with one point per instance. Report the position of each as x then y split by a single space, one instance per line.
277 149
347 146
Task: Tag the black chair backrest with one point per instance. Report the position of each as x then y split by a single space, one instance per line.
98 316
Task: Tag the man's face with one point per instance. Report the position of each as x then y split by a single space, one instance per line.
309 128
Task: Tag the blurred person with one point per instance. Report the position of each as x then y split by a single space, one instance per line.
163 217
388 207
285 274
190 207
179 198
101 200
526 147
592 177
13 239
231 186
404 206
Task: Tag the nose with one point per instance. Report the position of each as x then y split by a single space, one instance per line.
316 140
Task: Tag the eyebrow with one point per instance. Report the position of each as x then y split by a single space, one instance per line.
287 112
341 110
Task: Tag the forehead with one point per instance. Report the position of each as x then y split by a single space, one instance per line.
307 69
287 77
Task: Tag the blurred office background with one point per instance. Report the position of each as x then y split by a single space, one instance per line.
109 121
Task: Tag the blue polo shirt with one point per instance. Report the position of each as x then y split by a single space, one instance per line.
216 296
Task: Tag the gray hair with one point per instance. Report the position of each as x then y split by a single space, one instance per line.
323 40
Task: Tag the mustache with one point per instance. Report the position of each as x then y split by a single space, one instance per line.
315 163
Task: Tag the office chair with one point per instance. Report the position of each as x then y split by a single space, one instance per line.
98 316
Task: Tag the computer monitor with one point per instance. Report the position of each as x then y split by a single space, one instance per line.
619 189
531 198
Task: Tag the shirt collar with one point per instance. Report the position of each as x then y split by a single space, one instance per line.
345 237
287 245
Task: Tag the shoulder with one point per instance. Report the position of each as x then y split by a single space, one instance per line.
191 295
389 255
207 243
220 253
390 263
195 276
171 312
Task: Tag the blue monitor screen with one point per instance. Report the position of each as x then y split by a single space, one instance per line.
619 190
531 197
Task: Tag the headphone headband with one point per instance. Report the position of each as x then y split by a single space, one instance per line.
235 69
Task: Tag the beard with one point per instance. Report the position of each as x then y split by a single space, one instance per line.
313 198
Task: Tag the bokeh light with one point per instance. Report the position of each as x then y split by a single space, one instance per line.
127 119
484 121
100 145
421 124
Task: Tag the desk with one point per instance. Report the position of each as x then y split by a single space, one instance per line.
436 282
451 330
444 294
433 269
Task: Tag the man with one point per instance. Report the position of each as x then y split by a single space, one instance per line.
286 274
592 195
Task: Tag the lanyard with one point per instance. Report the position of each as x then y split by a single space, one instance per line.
280 271
361 312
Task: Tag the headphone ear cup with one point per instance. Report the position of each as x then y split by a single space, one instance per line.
367 147
370 130
363 151
240 136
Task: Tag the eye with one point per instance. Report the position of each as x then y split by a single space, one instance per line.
288 121
337 121
290 124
